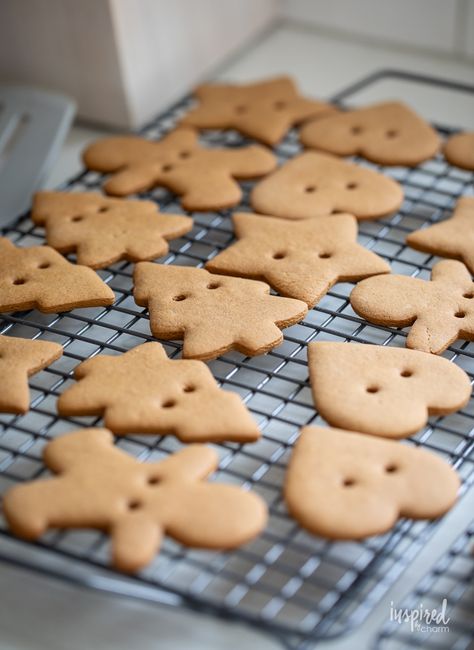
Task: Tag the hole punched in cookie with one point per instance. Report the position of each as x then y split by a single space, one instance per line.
279 255
184 154
279 105
469 295
324 256
134 504
391 133
309 189
406 373
169 404
213 285
18 281
351 186
372 389
104 208
348 482
356 130
180 297
167 168
460 314
77 218
391 468
240 109
189 388
153 480
44 265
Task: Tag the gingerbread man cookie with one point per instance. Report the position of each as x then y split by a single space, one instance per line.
439 311
41 278
142 391
99 486
389 133
315 184
102 230
203 178
388 392
19 359
301 260
459 150
264 110
344 485
213 313
451 238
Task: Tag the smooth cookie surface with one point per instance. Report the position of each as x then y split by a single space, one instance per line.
302 259
439 311
316 184
451 238
142 391
459 150
213 313
205 179
102 230
389 133
97 485
40 278
264 110
19 359
387 392
346 485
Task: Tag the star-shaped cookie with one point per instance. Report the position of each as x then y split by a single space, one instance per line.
142 391
451 238
212 313
203 178
439 311
102 230
40 278
264 110
301 259
19 359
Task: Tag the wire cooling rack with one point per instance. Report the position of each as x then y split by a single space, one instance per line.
452 578
287 581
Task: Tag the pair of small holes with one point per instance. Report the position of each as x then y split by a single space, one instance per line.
391 468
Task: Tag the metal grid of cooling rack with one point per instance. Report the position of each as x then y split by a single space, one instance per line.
286 581
452 577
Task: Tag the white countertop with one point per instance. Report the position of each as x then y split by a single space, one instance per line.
36 612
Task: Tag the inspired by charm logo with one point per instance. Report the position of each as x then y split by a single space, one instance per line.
422 619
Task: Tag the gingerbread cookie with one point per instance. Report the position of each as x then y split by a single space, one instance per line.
388 392
439 311
203 178
451 238
344 485
40 278
19 359
100 486
213 313
315 184
142 391
264 110
459 150
301 260
102 231
389 133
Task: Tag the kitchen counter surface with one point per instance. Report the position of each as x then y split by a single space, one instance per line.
36 612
